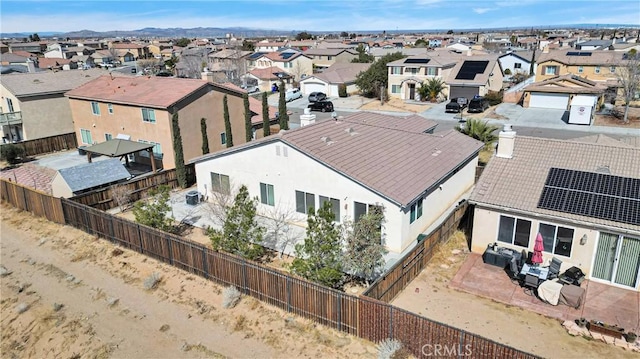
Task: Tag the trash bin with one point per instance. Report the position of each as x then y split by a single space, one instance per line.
192 197
81 151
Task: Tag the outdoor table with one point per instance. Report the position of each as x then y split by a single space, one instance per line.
541 272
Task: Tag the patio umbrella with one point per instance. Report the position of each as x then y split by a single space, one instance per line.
537 250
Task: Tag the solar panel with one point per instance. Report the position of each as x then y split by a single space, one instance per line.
470 69
578 53
287 55
417 61
592 194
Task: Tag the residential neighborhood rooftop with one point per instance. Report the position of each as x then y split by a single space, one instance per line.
44 82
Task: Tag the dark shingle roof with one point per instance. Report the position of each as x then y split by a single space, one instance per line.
95 174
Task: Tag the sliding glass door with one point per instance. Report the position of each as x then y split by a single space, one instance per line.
617 259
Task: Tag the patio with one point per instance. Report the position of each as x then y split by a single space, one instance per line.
606 303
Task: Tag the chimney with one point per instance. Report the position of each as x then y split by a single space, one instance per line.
506 142
307 118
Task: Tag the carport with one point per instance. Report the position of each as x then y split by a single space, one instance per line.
120 148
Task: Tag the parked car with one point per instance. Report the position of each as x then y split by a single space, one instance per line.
317 96
323 106
250 88
292 94
478 104
457 104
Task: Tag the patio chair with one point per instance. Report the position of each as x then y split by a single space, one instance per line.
530 284
554 268
514 271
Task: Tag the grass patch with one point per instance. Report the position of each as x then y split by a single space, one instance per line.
485 155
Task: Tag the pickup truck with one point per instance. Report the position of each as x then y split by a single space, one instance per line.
457 104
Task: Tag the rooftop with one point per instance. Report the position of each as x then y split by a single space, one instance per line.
46 82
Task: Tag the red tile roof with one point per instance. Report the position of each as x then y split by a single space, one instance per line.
157 92
127 46
45 63
266 73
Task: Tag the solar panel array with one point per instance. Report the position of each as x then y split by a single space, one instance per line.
417 61
470 69
286 55
255 55
591 194
578 53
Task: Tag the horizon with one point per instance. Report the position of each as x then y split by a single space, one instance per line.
327 16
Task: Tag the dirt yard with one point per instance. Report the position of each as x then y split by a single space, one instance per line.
429 295
394 105
612 121
66 294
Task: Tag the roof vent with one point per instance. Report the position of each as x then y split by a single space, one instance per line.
326 139
436 152
603 169
350 131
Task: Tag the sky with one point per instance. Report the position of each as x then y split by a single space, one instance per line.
31 16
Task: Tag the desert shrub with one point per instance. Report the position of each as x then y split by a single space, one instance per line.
388 348
152 281
494 97
507 72
22 307
342 90
11 153
230 297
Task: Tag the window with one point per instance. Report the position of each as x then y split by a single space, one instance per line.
266 194
432 71
395 88
396 70
95 108
597 69
10 105
223 138
514 231
108 136
411 70
329 57
517 65
110 108
335 206
360 209
551 70
288 65
612 69
86 136
305 202
416 211
580 69
157 149
148 115
220 183
556 239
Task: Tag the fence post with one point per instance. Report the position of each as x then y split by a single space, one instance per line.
24 196
140 239
460 355
111 235
339 311
244 276
204 262
170 250
289 294
390 322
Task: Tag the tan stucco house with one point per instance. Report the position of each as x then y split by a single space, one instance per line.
592 65
323 58
582 196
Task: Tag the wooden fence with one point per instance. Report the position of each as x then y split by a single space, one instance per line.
137 188
392 282
49 144
30 200
361 316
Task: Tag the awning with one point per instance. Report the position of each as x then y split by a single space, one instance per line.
118 147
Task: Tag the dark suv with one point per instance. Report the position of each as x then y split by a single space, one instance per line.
457 104
323 106
478 104
317 96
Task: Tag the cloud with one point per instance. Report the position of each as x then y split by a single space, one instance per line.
482 10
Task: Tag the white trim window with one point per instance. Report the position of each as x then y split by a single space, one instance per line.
597 70
157 149
110 108
396 88
223 138
85 136
266 194
556 239
612 69
148 115
514 231
416 211
220 183
335 206
580 69
396 70
108 137
305 202
432 71
95 108
551 70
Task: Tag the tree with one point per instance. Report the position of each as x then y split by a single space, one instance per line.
304 36
170 63
181 171
266 125
629 78
11 153
450 32
248 46
205 137
344 34
248 129
363 57
34 37
240 234
480 130
431 89
376 77
282 109
365 250
153 211
183 42
280 232
532 67
319 257
421 43
227 122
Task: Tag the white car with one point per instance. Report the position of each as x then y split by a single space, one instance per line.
292 94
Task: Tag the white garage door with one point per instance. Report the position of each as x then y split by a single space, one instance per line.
557 101
309 87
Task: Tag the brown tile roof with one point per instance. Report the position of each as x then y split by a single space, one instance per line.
342 73
413 123
567 84
47 82
267 73
45 63
277 56
516 183
329 52
25 54
603 58
152 91
127 46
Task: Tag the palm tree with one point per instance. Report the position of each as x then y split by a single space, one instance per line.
480 130
431 89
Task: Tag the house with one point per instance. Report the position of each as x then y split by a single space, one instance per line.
330 79
34 106
408 74
581 195
592 65
475 75
590 45
557 92
57 64
323 58
357 163
137 51
230 62
72 181
103 57
140 108
35 47
269 46
290 61
267 77
516 62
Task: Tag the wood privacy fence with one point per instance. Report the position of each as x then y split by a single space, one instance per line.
137 188
360 316
392 282
36 202
49 144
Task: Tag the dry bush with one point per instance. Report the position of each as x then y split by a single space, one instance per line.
240 323
230 297
152 281
388 348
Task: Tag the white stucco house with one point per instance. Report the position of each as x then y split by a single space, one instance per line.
582 196
331 78
356 162
516 62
